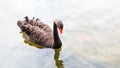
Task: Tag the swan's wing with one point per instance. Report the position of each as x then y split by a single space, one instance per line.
40 24
46 28
36 34
39 36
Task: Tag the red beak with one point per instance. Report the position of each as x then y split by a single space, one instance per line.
61 30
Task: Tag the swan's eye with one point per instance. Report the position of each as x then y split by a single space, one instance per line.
61 26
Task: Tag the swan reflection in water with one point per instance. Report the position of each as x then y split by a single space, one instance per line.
58 62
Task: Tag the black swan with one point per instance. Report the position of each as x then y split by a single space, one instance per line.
40 33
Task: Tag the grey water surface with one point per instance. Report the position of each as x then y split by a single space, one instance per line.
91 36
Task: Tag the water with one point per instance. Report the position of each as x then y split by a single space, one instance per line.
91 34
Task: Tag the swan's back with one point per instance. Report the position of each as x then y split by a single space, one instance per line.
39 23
37 32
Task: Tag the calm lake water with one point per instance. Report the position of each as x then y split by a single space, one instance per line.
91 36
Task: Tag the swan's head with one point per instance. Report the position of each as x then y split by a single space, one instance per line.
59 25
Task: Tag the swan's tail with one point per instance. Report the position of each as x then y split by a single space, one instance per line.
25 27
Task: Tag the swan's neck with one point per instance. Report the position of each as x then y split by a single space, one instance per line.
57 41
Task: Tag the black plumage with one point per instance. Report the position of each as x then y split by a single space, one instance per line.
40 33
